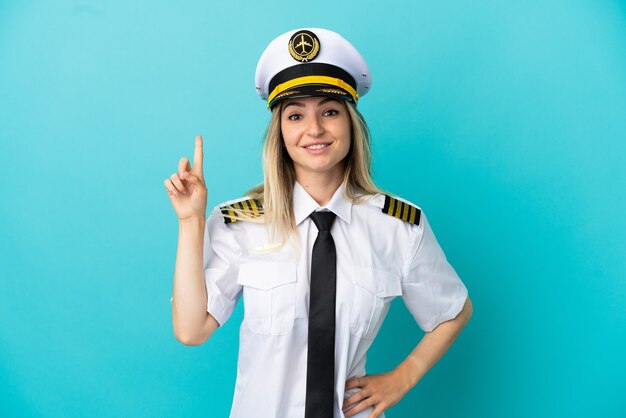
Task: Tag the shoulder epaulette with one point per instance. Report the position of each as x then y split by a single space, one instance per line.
251 207
401 210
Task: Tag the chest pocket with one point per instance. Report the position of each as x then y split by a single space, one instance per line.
374 290
269 296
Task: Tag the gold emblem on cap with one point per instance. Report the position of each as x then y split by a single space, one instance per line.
304 46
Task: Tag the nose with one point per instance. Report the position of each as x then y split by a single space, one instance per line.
315 127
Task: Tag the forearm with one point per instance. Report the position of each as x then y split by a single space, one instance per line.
189 306
432 347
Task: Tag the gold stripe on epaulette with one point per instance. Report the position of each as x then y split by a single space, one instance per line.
399 206
401 210
251 208
254 207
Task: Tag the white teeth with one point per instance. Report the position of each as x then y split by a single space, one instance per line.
318 146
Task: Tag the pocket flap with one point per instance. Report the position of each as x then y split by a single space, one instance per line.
379 282
265 276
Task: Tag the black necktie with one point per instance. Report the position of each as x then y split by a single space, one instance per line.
320 377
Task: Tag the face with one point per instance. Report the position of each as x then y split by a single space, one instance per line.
316 133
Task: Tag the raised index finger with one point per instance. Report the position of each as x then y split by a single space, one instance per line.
197 157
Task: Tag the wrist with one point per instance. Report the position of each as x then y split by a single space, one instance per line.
407 375
192 220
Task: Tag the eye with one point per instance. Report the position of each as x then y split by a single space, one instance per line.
331 112
295 116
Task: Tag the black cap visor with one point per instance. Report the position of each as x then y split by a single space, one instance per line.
309 90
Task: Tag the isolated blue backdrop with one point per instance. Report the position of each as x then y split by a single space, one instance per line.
505 121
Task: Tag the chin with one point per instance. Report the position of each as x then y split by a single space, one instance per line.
320 168
316 169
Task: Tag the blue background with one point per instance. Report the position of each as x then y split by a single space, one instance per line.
505 121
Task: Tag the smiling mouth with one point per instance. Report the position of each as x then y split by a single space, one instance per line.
317 146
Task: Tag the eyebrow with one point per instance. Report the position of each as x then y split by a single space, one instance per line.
300 104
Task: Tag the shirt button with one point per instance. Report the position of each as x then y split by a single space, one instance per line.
380 289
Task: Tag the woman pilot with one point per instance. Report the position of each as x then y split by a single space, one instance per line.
317 250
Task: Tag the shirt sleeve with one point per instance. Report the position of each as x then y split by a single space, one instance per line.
431 289
221 266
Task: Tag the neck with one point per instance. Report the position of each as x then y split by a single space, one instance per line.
321 186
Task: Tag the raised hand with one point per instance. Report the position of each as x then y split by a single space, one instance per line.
186 188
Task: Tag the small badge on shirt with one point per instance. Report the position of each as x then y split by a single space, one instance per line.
266 248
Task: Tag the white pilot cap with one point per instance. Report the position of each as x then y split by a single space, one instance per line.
311 62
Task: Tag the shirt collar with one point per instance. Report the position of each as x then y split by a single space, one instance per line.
304 204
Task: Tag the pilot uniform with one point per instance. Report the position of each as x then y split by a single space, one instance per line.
385 249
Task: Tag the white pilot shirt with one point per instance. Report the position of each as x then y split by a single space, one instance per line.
379 257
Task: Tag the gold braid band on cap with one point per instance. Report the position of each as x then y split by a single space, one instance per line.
313 79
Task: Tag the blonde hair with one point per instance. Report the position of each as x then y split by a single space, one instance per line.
276 191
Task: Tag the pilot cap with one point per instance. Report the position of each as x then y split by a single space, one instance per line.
311 62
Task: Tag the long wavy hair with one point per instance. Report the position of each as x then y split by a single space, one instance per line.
276 191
